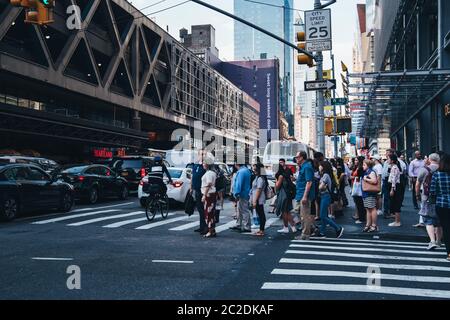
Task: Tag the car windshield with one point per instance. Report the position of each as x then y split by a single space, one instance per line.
74 170
129 163
175 173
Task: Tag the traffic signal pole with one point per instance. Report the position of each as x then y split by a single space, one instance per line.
320 98
336 138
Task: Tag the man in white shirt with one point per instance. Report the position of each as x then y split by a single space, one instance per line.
414 168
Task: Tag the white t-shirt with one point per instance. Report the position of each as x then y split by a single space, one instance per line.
378 168
209 178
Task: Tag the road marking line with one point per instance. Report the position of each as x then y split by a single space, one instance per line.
186 226
125 222
74 216
103 207
172 261
52 259
364 264
82 223
428 293
363 256
373 241
160 223
363 275
362 249
424 246
225 226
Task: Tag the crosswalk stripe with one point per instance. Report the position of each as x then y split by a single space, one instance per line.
364 264
186 226
374 241
131 221
117 216
364 256
423 246
160 223
428 293
362 249
362 275
103 207
225 226
74 216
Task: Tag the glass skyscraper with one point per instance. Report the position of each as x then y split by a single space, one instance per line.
250 44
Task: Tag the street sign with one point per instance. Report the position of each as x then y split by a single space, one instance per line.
320 85
318 30
339 101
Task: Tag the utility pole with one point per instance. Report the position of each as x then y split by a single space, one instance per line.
320 98
336 138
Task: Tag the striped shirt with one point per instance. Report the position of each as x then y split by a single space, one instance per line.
440 188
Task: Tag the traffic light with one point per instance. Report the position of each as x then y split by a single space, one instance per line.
343 125
303 58
329 126
36 11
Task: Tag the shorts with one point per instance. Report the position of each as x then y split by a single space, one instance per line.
431 221
370 202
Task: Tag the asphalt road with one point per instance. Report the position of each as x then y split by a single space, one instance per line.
119 255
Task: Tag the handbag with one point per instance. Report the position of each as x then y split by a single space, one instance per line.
356 189
189 206
369 187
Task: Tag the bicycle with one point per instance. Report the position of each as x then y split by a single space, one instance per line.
157 203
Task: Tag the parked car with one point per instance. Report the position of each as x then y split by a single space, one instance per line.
132 168
26 187
92 182
181 178
46 164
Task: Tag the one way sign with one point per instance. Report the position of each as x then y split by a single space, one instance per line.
320 85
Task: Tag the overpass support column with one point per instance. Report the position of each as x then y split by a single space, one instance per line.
136 124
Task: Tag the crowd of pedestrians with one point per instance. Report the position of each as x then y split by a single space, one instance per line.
310 195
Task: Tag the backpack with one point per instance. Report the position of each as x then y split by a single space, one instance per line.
220 181
427 182
268 191
291 189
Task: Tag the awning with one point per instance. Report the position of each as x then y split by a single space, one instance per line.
385 102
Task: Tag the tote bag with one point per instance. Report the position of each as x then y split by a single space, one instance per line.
356 189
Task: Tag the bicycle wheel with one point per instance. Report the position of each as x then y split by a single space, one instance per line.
164 207
150 209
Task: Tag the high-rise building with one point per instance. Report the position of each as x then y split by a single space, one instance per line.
249 44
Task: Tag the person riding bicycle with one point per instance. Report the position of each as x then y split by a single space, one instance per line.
156 172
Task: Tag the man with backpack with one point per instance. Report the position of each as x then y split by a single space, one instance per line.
305 194
241 192
427 211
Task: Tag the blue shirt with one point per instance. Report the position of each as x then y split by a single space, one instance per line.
242 185
364 193
197 174
305 175
440 187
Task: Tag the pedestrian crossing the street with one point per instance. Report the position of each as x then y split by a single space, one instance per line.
114 217
362 269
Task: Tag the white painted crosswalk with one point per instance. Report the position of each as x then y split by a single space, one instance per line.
342 267
113 217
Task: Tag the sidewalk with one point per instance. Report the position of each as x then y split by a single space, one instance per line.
409 217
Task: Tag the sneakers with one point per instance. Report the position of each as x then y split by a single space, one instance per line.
395 224
419 225
254 226
293 229
284 230
380 212
432 245
339 233
359 222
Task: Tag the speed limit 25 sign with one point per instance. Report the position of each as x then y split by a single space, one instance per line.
318 30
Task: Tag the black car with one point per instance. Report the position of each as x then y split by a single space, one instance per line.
26 187
132 168
47 165
92 182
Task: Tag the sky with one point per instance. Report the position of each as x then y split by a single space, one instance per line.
344 21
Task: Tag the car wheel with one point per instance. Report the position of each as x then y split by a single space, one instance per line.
9 209
66 202
123 193
93 195
143 202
